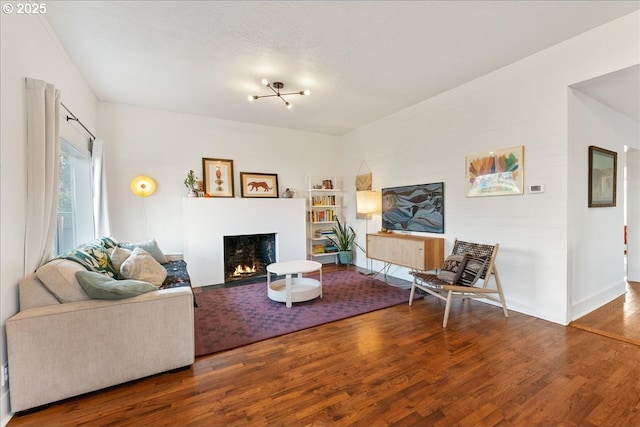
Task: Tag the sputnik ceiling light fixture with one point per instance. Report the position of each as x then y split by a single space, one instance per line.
275 87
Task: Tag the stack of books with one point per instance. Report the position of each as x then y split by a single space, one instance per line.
330 247
318 249
324 232
323 200
327 215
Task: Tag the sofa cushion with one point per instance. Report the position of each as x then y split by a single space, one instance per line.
118 256
33 293
140 265
59 277
100 286
94 256
150 246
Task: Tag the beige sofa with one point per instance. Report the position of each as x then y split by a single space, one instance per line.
59 350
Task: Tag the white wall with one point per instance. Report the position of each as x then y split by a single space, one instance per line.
28 49
208 220
633 214
522 104
166 145
596 245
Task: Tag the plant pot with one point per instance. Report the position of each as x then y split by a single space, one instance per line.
192 193
345 257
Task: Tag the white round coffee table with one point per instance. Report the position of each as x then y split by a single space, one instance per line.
294 289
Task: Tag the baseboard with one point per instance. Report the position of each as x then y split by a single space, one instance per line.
596 301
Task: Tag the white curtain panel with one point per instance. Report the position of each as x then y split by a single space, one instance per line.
101 219
43 148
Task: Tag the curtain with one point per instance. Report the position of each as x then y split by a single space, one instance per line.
101 220
43 150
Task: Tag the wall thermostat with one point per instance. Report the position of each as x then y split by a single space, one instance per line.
536 188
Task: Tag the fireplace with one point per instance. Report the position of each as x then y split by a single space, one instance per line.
247 256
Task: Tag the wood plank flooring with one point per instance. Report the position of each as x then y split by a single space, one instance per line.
620 319
396 366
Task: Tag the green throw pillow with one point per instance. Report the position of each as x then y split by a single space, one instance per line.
108 243
94 256
100 286
150 246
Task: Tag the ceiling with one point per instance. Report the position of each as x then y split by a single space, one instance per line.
361 60
619 90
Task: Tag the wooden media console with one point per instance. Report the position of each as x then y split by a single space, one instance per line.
416 252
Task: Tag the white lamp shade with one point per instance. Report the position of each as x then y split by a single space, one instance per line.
368 202
143 186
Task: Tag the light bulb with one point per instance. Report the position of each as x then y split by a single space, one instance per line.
252 97
265 82
288 105
306 92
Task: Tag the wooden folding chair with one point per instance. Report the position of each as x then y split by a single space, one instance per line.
430 283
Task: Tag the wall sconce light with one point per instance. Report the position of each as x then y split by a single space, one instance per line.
143 186
275 88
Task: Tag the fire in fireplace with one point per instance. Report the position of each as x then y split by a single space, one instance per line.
247 256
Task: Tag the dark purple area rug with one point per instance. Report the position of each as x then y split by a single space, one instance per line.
233 317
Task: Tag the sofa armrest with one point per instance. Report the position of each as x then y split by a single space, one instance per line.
34 294
59 351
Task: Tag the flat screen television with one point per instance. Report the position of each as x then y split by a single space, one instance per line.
414 208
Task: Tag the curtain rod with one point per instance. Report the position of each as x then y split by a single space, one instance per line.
76 119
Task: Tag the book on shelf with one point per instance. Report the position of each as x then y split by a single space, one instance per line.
323 200
330 248
318 249
327 215
328 184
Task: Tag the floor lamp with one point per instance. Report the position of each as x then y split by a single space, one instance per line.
368 203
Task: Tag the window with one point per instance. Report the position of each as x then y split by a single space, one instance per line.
75 201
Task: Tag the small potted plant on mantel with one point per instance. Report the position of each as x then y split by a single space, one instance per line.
190 182
344 237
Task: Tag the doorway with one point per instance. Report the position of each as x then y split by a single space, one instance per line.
604 112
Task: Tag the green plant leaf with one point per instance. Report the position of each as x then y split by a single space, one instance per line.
344 237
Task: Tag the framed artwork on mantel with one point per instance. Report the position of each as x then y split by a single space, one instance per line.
602 177
254 184
218 177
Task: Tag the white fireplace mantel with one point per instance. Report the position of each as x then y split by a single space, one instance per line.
208 220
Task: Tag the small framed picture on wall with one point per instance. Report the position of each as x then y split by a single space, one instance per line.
218 177
602 177
253 184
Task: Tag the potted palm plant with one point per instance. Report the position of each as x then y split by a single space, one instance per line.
344 237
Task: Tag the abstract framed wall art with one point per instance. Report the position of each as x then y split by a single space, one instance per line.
414 208
253 184
218 177
495 173
603 166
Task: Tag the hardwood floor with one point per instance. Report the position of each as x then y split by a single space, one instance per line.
620 319
396 366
